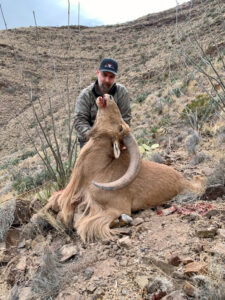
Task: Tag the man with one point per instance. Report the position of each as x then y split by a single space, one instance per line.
86 108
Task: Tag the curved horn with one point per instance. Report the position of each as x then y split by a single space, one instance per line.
133 168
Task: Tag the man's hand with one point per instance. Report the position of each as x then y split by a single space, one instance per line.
87 134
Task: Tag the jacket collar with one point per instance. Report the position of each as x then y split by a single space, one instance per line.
97 92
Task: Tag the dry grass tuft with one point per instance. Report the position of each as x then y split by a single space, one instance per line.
48 281
218 176
208 289
44 217
191 143
7 210
14 293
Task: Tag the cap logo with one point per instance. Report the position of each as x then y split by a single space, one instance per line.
108 65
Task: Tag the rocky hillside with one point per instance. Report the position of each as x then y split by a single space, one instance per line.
147 50
172 252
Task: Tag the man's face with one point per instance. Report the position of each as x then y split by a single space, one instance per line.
105 81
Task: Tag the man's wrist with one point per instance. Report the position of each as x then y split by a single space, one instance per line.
86 134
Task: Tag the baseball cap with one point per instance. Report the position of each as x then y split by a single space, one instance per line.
109 65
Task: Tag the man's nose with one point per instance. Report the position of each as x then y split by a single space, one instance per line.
107 79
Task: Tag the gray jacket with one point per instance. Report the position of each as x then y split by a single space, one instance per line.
86 108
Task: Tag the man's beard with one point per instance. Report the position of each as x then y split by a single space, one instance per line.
105 88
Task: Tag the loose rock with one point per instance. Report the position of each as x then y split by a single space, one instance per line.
137 221
165 267
219 249
189 289
67 252
174 260
196 267
12 237
142 281
206 232
124 242
21 266
68 295
213 192
88 273
187 260
221 233
91 288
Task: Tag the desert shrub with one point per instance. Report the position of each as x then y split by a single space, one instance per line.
192 142
144 58
198 158
27 154
218 176
165 121
198 111
15 161
32 124
158 106
26 183
141 98
210 288
199 105
176 92
46 192
145 141
166 75
143 136
11 162
220 133
154 128
160 103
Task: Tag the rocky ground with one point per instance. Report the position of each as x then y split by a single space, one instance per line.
171 252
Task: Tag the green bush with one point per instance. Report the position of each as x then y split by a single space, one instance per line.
201 106
26 183
27 154
144 58
141 98
15 161
144 136
177 92
165 121
154 129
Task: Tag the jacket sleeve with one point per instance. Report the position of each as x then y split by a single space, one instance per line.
124 105
82 115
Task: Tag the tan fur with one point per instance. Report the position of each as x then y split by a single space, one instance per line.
91 210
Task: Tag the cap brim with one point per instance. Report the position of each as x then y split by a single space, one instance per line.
106 70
